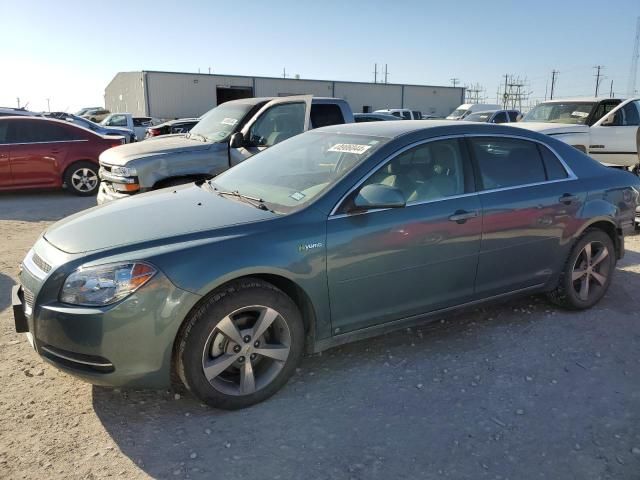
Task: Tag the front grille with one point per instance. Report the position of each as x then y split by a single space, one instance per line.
28 297
41 264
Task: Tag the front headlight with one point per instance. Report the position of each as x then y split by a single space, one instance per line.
105 284
124 171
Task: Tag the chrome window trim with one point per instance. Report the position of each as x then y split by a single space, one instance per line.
41 143
568 171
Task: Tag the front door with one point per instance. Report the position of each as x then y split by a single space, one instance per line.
614 136
276 121
38 148
528 201
393 263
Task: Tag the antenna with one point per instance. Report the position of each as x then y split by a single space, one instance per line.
631 88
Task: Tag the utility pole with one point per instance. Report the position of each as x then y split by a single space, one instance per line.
505 95
284 72
48 105
375 73
18 98
455 81
598 68
611 90
633 72
209 70
554 74
386 74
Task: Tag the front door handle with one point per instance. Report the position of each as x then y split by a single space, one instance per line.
567 198
462 216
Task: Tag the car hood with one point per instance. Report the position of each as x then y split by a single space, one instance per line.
160 214
161 146
551 128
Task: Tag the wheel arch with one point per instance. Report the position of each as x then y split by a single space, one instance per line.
292 289
607 225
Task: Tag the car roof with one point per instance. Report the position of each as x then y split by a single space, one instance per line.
580 99
437 127
24 118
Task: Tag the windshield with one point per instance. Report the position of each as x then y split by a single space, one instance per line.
458 113
292 174
556 112
217 124
478 117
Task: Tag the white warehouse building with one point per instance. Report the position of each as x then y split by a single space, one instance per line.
177 95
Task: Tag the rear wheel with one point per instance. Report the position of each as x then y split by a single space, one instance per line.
587 273
81 178
241 346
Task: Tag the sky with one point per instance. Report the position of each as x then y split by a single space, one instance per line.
68 51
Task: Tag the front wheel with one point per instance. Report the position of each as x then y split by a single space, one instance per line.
587 273
81 178
241 346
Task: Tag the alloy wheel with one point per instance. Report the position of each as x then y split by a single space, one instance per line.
590 271
246 350
84 180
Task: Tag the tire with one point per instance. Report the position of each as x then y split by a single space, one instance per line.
570 292
218 357
81 178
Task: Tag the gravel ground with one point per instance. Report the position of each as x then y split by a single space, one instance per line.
518 390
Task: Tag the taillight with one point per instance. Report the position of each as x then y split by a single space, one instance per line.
153 132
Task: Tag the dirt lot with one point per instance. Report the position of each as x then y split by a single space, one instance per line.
519 390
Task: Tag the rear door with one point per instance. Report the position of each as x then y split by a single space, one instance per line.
38 151
528 200
5 150
276 121
614 136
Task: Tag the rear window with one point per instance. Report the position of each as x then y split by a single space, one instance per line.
513 116
141 121
323 115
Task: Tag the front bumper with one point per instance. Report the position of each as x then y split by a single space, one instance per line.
107 194
126 344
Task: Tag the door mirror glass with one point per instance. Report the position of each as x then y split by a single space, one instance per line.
237 140
378 195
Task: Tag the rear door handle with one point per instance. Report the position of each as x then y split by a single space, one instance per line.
567 198
462 216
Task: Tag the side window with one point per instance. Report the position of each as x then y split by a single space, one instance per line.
629 113
4 132
513 116
602 109
406 115
141 122
430 171
501 117
396 114
50 132
417 115
117 121
323 115
553 167
507 162
277 124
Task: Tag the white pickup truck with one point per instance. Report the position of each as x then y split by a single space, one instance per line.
126 120
605 128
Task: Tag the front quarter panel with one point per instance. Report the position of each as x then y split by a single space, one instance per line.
291 247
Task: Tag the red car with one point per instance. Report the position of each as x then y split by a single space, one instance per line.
43 153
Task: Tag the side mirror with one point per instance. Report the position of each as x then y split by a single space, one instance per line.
236 140
378 195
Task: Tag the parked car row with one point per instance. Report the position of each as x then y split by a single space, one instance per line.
334 235
37 152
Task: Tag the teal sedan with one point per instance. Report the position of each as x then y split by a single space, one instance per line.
335 235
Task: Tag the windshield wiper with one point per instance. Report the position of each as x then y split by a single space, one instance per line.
255 201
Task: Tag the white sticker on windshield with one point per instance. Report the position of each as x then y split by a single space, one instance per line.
579 114
350 148
229 121
297 196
